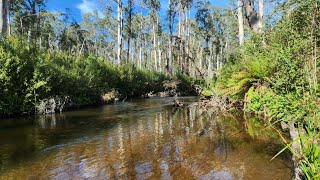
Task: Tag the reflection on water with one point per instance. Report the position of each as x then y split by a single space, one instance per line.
145 139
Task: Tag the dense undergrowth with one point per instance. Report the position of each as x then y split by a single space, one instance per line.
28 75
278 78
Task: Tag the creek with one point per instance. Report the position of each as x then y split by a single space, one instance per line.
141 139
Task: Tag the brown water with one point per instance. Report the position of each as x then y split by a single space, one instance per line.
142 139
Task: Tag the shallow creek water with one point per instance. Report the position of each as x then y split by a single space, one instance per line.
140 139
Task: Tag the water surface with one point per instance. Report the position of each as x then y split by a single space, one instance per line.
140 139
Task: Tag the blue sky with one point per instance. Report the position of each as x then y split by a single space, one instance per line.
79 7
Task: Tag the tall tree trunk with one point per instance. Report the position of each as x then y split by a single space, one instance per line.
39 27
154 46
254 18
240 23
8 17
4 17
140 55
179 63
209 66
29 35
159 56
119 32
33 14
179 20
188 41
182 41
169 61
159 49
185 45
261 15
200 59
141 46
221 58
129 26
217 60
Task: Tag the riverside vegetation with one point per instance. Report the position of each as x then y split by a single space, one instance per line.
31 75
277 77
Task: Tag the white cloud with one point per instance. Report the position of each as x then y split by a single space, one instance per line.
87 6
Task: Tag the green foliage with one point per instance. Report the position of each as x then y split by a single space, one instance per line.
289 75
310 160
254 66
286 62
135 82
276 107
207 92
280 78
29 75
16 77
210 87
186 83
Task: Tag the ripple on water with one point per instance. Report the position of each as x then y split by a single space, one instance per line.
139 140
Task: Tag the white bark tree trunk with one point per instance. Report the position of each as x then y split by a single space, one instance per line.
169 63
129 28
140 55
254 18
154 46
240 23
260 14
218 62
159 50
209 66
119 32
159 56
201 55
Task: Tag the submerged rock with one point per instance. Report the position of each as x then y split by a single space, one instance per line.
220 175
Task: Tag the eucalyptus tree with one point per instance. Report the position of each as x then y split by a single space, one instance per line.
161 36
49 30
129 15
120 28
196 41
31 17
4 13
137 30
154 7
254 17
223 33
98 32
171 18
28 18
109 27
89 23
206 26
73 39
240 22
185 7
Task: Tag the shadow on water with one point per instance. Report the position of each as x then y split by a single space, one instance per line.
141 139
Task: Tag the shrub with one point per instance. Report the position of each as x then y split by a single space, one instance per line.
29 75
